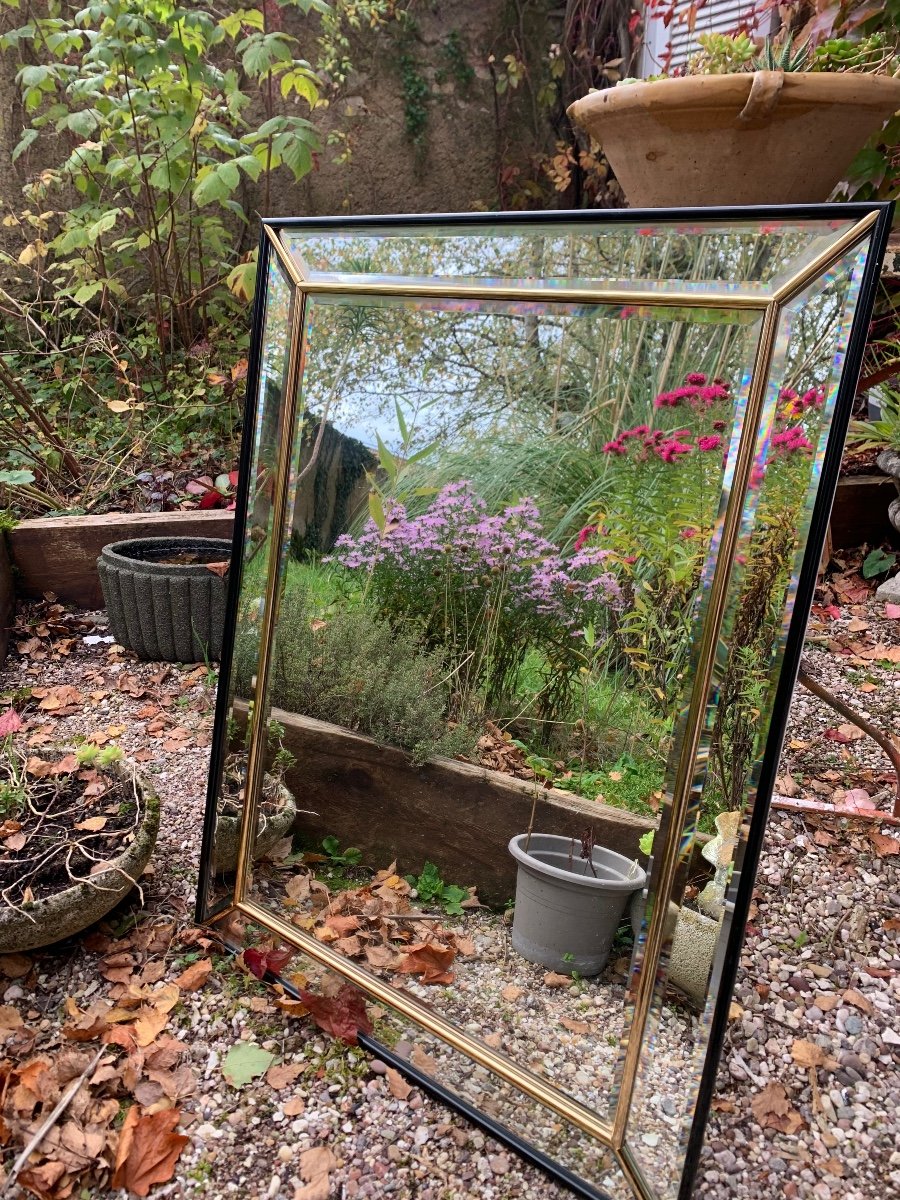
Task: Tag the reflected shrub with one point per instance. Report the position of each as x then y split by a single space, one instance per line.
486 589
353 668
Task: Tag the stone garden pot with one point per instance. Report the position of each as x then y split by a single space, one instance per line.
694 938
163 600
271 827
889 462
753 138
75 908
565 919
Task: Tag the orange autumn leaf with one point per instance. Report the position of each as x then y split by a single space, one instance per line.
430 960
195 976
148 1150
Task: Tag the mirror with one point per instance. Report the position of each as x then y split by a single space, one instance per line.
528 527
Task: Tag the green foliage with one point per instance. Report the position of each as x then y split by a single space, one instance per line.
454 63
722 54
783 55
878 561
158 150
416 96
883 433
351 857
431 888
352 668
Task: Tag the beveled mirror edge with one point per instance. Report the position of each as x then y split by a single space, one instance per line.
790 666
665 871
868 215
204 907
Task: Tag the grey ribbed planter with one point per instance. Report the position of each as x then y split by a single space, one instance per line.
565 917
170 611
44 922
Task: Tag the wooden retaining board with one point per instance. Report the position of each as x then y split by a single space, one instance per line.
860 512
59 554
456 815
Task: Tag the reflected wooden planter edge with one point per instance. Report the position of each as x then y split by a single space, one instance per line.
456 815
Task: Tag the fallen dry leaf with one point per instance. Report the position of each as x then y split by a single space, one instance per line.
282 1074
773 1110
343 1016
423 1061
553 979
397 1085
580 1027
195 976
807 1054
148 1150
294 1107
315 1166
884 845
512 993
430 960
858 1000
92 824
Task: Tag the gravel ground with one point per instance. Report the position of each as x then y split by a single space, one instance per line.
821 967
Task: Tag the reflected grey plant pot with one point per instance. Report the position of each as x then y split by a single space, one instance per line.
72 910
565 919
270 829
169 611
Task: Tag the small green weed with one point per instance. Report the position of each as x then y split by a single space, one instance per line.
430 887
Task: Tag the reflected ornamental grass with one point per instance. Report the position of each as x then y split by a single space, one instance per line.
486 587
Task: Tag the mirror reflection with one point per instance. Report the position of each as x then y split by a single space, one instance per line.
482 557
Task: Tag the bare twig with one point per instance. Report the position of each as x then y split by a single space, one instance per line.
47 1124
812 685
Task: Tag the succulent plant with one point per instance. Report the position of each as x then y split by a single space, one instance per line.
783 56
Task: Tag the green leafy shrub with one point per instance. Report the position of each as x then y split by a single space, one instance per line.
158 144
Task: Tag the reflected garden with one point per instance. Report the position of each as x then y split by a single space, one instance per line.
486 636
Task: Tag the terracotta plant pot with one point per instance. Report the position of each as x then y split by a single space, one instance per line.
163 609
767 137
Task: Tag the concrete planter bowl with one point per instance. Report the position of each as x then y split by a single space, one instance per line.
165 609
75 908
754 138
272 824
566 917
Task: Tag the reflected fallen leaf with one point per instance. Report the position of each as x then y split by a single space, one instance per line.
553 979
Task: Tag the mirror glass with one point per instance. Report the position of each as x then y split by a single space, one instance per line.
517 570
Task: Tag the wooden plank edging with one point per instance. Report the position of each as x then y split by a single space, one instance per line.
59 554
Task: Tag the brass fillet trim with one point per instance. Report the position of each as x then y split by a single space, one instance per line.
681 792
595 295
291 269
253 782
526 1081
792 288
633 1173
